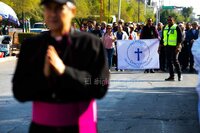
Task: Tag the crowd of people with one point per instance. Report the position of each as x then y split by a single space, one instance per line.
122 30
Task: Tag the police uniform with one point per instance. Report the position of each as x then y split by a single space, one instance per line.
171 37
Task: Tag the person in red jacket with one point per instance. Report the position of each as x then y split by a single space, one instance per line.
62 73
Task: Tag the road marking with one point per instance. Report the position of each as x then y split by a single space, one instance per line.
162 127
7 59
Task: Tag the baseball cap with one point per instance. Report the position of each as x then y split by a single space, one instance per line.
57 1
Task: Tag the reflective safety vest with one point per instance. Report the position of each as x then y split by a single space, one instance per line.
170 35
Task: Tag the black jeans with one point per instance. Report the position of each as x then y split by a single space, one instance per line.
172 60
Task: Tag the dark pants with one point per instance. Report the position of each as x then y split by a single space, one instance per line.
35 128
172 60
162 59
191 57
184 59
110 53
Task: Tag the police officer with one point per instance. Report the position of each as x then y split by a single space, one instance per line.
171 40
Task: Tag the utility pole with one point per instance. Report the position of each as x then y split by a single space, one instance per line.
119 9
159 5
101 8
145 7
138 11
109 7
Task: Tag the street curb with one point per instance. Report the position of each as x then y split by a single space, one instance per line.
10 58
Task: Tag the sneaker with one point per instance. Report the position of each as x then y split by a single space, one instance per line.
180 78
152 71
146 71
170 79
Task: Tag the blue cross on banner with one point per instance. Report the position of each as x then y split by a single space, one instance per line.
138 54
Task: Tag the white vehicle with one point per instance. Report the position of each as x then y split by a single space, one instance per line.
39 27
5 43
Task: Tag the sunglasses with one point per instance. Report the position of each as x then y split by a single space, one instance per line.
169 20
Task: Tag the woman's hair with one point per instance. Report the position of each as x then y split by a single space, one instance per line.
108 26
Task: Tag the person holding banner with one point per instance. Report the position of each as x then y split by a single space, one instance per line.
120 35
171 40
149 32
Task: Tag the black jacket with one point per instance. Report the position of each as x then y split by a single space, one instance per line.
149 32
86 75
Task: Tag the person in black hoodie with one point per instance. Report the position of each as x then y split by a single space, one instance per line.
62 73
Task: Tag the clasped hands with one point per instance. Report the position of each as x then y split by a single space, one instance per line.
53 62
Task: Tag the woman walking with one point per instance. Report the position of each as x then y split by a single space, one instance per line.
108 41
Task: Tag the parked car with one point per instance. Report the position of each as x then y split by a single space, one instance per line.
39 27
5 43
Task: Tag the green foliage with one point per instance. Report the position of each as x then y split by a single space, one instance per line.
8 2
186 12
129 9
22 36
165 13
29 9
82 8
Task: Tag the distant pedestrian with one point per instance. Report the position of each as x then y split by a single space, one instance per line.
115 27
186 48
193 35
74 27
62 73
133 34
171 40
181 54
162 57
97 30
103 28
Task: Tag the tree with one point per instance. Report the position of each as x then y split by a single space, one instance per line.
186 12
165 13
26 9
8 2
129 10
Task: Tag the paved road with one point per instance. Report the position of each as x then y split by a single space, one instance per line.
136 103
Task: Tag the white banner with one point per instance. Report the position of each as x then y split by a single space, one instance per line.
138 54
